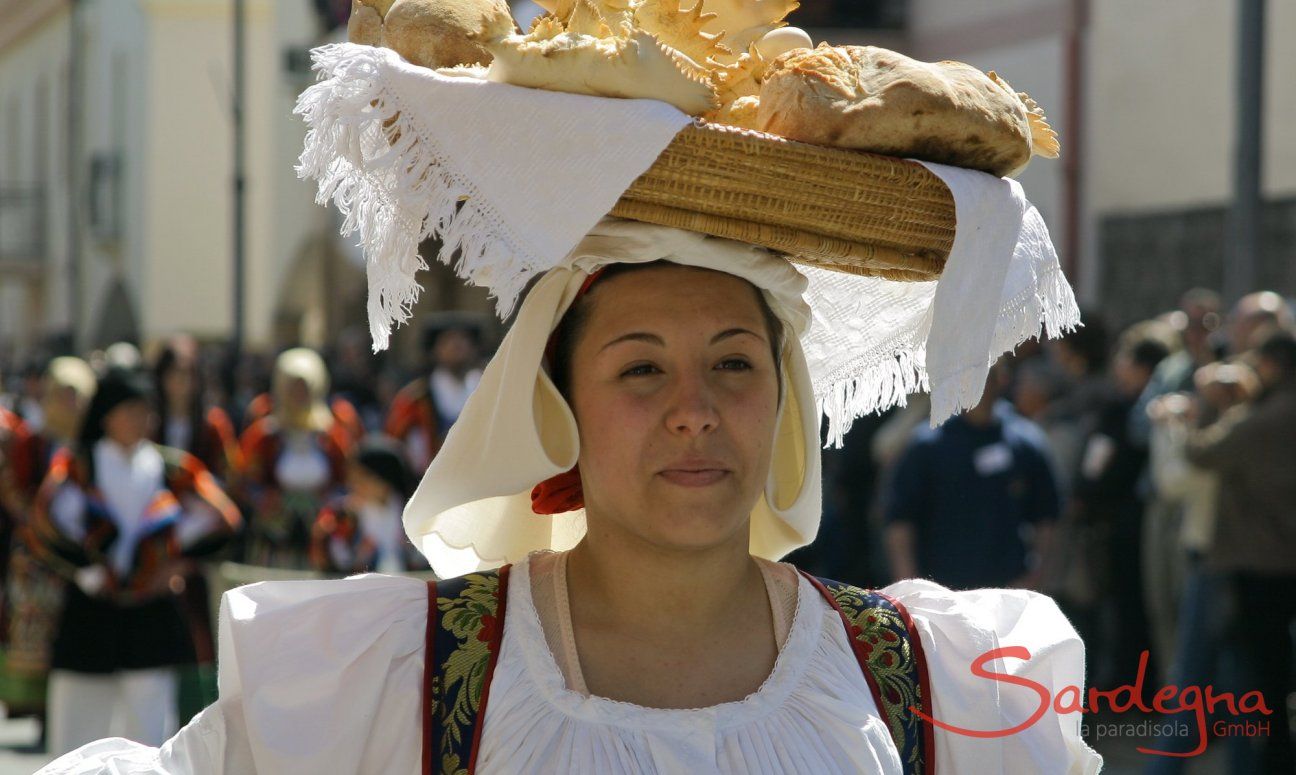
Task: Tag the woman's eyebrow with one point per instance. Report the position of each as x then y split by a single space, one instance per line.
644 336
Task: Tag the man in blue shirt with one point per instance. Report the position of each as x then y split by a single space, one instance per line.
972 503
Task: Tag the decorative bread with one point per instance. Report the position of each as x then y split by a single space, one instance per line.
431 33
873 99
597 50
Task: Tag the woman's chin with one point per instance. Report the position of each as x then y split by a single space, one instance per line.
694 528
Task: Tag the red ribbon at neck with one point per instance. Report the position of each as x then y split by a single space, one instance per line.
559 494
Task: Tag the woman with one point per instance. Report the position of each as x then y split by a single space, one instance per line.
185 420
294 461
120 517
34 592
639 471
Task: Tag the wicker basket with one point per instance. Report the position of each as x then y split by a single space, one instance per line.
843 210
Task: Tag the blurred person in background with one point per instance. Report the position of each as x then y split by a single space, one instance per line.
362 531
972 502
27 402
1203 605
1251 449
186 421
1108 501
119 517
1254 317
423 411
345 416
294 461
17 468
33 591
355 376
1164 571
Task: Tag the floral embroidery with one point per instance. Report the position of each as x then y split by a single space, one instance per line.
467 627
882 633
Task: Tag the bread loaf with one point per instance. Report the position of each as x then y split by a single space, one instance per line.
431 33
873 99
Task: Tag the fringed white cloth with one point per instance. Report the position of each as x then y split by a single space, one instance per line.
510 179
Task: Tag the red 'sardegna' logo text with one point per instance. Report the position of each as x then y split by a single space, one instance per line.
1070 699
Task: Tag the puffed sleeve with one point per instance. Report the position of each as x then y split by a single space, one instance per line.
314 676
956 628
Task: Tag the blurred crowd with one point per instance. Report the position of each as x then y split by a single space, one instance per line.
1144 479
132 482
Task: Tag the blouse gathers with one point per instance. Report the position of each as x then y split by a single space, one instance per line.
813 713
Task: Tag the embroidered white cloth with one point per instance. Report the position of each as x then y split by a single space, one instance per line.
281 710
510 179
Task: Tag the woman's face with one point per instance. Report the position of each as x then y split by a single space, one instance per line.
128 423
178 382
675 392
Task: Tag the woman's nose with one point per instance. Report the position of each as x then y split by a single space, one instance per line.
693 409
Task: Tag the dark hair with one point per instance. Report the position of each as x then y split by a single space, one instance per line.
1089 341
1280 347
1147 353
572 325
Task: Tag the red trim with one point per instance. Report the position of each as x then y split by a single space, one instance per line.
924 679
496 639
429 671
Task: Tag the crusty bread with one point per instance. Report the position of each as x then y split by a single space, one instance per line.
877 100
431 33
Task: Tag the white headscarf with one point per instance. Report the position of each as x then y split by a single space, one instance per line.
473 508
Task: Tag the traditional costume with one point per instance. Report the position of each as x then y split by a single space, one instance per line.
119 523
33 591
294 461
355 533
475 673
423 411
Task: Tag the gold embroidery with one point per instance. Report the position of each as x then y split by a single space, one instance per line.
471 618
891 660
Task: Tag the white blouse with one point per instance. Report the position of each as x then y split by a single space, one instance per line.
326 676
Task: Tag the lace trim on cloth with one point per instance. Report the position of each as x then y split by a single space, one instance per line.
379 147
393 185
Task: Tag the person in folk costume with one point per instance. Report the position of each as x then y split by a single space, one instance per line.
122 517
33 592
344 412
641 449
17 467
187 422
362 531
294 461
607 515
423 411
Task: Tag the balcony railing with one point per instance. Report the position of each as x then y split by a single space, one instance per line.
22 224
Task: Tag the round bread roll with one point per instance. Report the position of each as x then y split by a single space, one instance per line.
873 99
431 33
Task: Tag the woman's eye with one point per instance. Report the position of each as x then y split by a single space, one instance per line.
640 370
735 364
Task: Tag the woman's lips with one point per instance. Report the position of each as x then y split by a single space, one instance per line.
694 477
